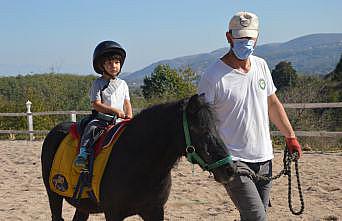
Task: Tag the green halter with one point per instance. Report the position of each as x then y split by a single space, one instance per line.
193 157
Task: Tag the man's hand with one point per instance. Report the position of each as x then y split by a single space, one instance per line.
293 146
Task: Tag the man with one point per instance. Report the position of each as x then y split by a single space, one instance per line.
241 90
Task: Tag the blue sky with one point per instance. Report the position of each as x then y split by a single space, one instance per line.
39 36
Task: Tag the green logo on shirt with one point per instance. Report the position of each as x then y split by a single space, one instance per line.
262 84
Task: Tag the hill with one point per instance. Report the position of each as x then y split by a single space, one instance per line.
310 54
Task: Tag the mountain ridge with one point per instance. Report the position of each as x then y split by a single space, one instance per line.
315 54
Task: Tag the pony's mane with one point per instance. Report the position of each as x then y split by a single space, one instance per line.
158 111
206 115
160 122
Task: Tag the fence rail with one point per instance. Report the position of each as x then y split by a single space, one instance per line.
45 113
313 105
73 115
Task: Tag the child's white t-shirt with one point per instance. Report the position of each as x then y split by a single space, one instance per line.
240 102
113 95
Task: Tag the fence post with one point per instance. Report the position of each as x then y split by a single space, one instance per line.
73 116
29 119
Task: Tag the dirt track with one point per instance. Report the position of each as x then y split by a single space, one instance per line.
193 197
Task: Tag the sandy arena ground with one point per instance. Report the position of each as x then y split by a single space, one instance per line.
193 197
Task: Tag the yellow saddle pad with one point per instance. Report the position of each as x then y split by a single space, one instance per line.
64 175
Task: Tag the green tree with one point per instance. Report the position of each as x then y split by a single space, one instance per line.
335 75
334 80
166 83
188 82
284 75
47 92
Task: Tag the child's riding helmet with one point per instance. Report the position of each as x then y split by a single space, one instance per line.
105 49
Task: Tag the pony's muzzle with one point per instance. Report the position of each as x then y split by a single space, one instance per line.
225 174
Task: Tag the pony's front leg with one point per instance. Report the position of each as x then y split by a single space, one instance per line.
80 216
153 214
113 216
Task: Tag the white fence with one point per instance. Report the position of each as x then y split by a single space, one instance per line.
73 115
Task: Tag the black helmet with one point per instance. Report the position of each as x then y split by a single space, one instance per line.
104 49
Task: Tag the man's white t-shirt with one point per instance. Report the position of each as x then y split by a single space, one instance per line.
113 95
240 102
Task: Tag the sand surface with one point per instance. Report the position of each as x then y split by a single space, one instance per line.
193 197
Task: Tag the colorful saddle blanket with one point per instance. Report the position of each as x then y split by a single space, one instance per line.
64 175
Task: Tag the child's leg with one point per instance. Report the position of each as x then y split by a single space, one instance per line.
86 143
90 135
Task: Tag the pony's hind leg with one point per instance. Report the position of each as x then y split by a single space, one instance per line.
80 216
56 206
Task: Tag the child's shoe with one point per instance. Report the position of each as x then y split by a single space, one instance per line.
81 159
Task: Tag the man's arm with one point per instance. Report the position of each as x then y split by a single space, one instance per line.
279 117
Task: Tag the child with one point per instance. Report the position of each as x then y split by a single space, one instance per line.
109 96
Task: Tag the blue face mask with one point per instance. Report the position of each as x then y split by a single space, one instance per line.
243 48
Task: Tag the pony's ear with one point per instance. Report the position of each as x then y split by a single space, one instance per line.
195 103
202 97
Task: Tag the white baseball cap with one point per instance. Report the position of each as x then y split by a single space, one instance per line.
244 24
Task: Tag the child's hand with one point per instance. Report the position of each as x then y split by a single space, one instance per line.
127 116
121 114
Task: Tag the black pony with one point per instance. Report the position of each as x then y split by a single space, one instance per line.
137 178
